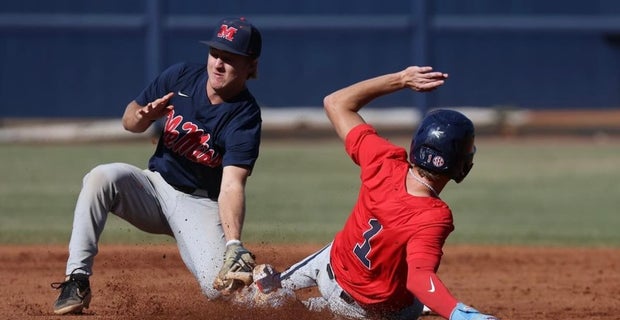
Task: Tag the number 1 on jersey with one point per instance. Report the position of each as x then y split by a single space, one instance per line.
362 250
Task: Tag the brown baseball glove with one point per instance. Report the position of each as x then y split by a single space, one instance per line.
236 272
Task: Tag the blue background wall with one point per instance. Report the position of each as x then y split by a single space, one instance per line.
78 58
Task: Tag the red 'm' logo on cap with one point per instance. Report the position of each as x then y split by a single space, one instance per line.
227 32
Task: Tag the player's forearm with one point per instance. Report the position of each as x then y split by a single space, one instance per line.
133 121
431 291
342 106
232 201
354 97
232 212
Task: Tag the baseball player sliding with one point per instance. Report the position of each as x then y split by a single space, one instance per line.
194 187
383 263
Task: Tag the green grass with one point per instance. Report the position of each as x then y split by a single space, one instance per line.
554 193
531 193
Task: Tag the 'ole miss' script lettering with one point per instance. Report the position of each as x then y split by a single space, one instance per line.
194 145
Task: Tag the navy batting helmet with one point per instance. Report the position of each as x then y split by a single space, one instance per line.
444 144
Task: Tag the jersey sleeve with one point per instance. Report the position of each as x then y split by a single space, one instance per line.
365 147
243 136
431 291
161 85
424 251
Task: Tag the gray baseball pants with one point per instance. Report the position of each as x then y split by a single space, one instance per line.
144 199
315 270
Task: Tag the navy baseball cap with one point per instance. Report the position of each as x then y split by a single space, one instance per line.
238 36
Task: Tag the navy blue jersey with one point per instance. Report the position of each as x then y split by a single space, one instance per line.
200 138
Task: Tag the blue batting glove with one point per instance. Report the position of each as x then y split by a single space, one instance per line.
464 312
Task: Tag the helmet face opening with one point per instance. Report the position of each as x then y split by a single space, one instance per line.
444 144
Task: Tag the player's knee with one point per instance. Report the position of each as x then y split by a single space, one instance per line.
103 175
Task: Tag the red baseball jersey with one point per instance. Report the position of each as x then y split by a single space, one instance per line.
391 244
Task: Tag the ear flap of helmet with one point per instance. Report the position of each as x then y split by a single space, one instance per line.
466 165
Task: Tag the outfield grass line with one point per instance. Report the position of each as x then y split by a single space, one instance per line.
519 192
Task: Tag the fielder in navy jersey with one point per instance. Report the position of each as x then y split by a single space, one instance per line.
194 187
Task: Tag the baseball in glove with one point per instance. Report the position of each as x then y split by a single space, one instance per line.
236 272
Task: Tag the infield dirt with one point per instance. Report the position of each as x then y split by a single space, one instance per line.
151 282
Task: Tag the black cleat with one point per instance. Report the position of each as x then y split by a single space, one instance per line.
74 294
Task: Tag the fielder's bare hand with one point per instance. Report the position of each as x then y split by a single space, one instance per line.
422 79
138 118
156 109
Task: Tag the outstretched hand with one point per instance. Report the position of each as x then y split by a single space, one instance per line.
156 109
465 312
422 79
